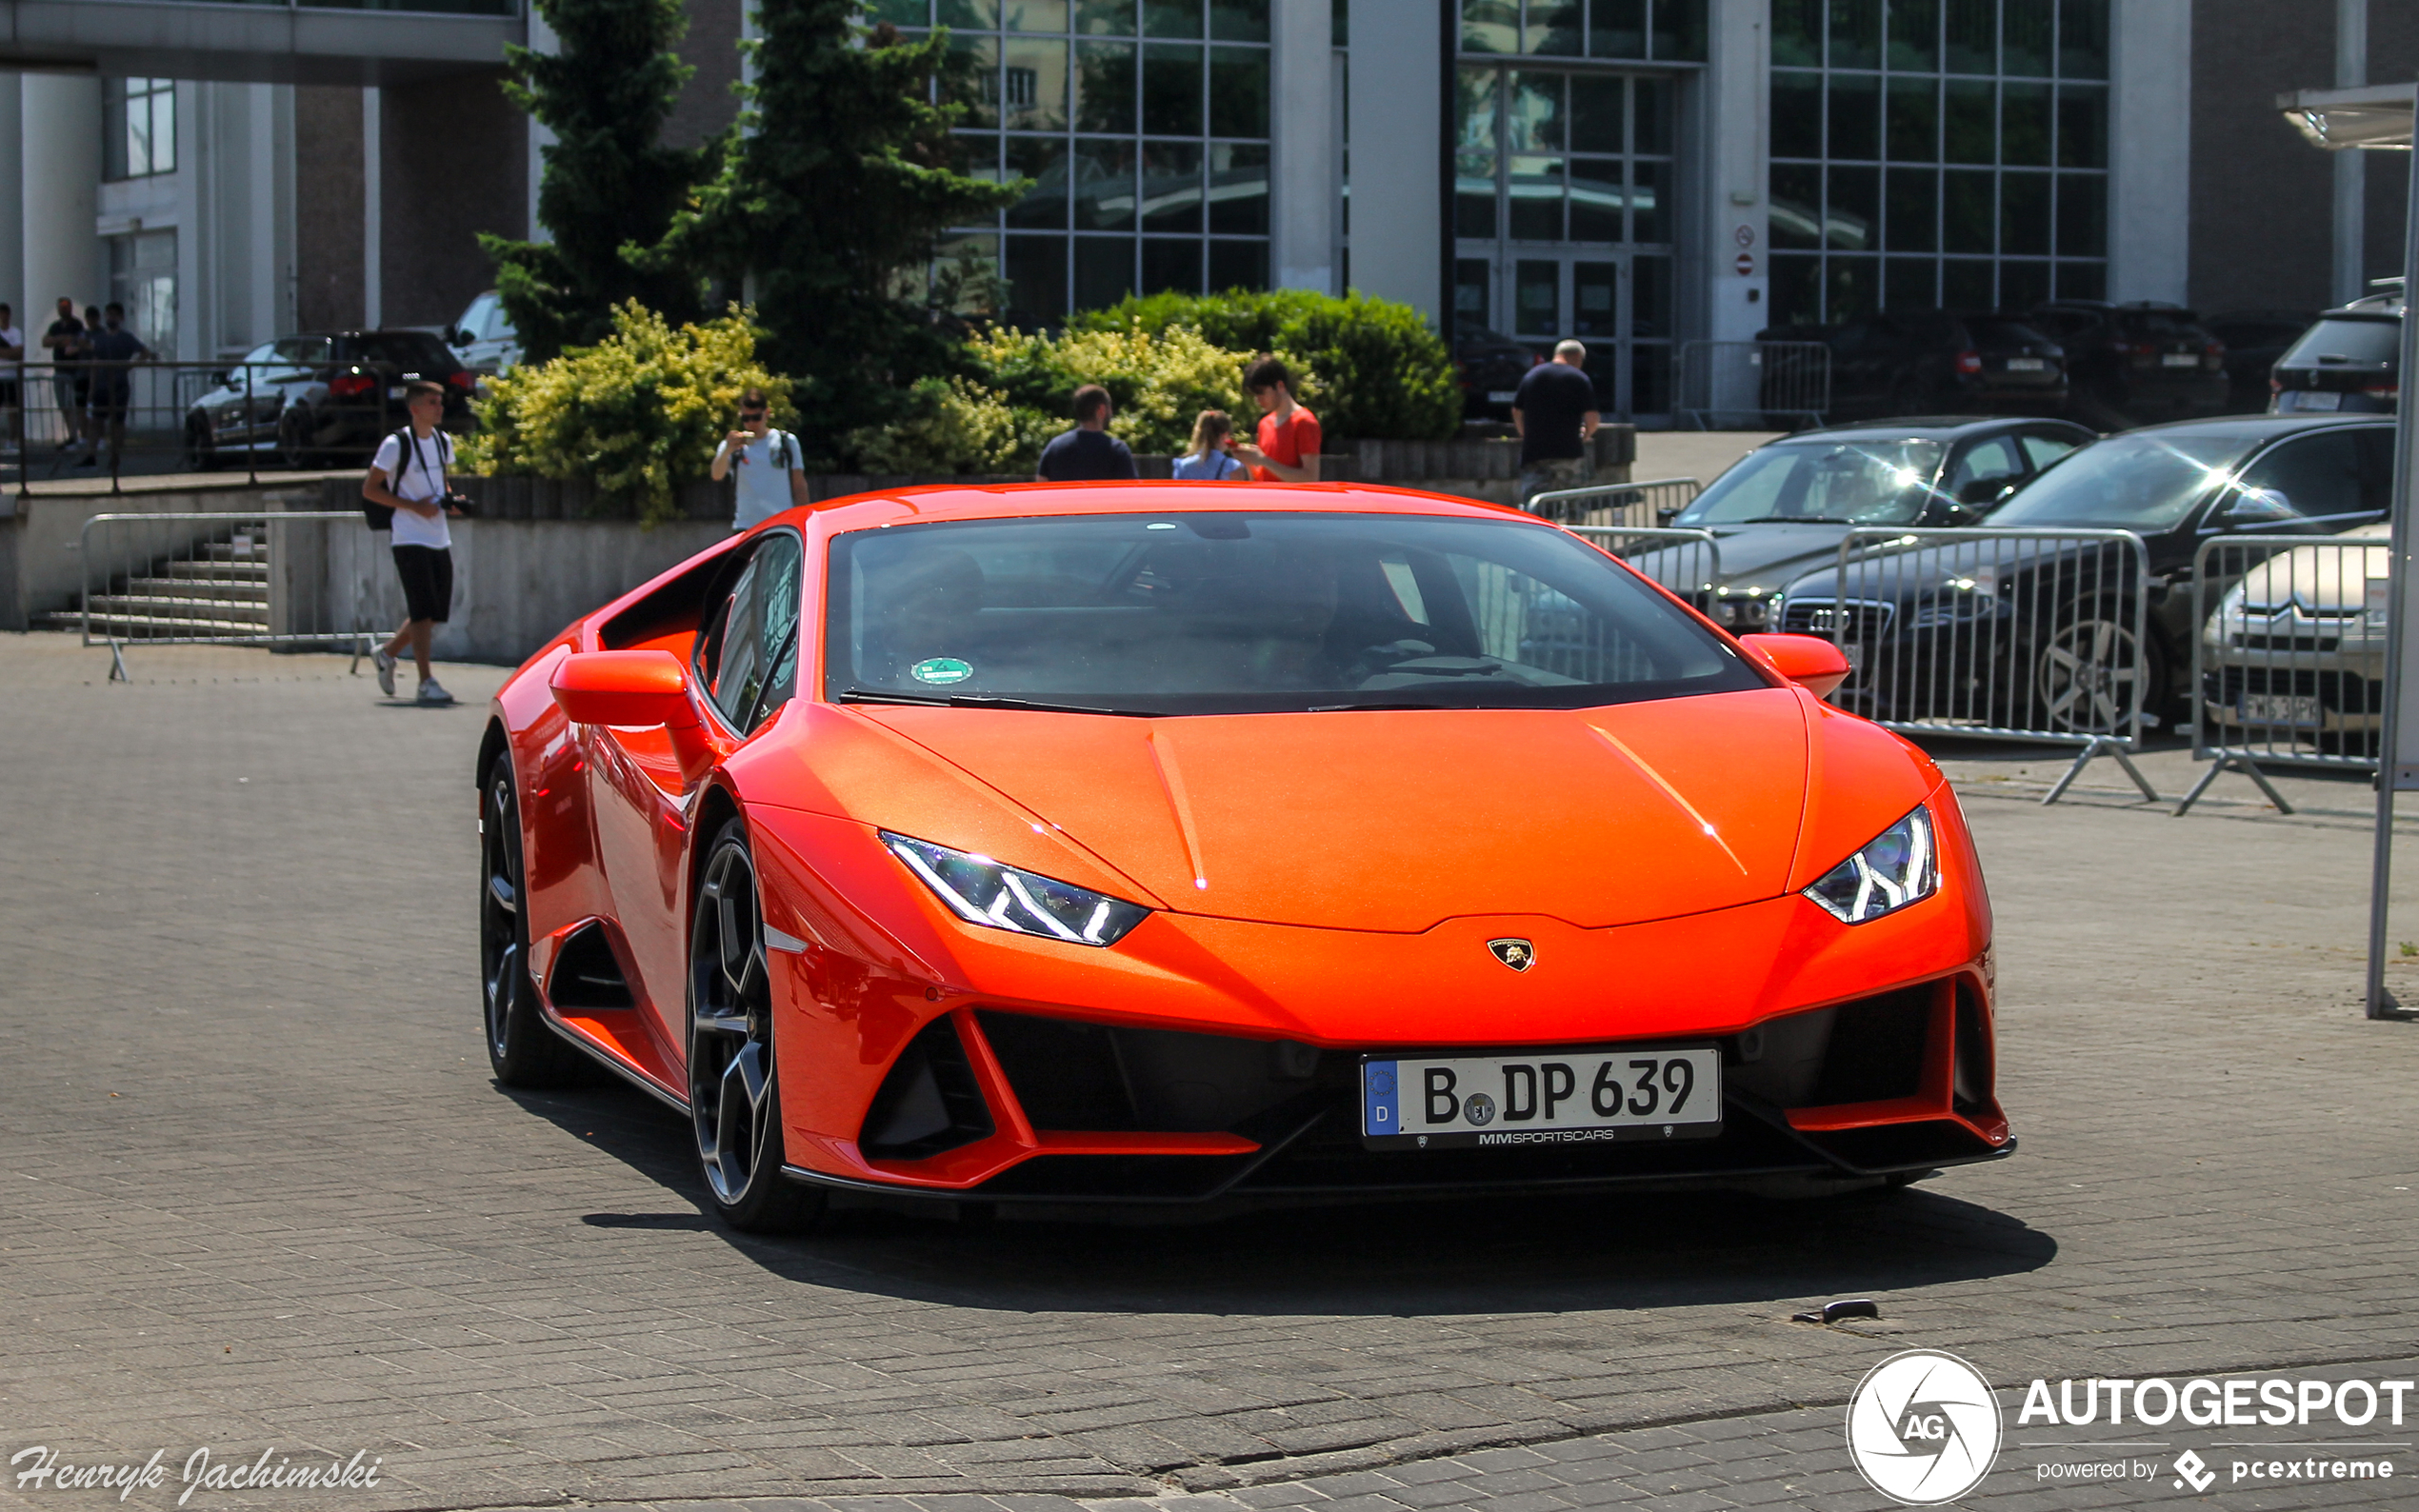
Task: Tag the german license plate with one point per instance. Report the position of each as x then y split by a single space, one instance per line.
2311 399
1501 396
2025 365
1542 1098
2296 710
2179 359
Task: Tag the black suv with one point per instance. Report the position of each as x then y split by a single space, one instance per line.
1933 362
2131 363
323 397
2253 340
1490 366
2348 363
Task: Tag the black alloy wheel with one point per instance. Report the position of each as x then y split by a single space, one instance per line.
521 1048
734 1098
201 447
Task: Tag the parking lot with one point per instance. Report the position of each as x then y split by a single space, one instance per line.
261 1193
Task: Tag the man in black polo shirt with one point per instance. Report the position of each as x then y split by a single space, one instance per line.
1555 414
1088 450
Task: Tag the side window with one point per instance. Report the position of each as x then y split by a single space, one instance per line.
1983 469
2043 450
2376 469
2316 475
747 660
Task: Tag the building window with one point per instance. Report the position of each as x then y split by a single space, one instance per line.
1663 30
138 119
143 278
1144 128
1937 152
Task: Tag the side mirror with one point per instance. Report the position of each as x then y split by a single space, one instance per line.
1664 514
1981 493
1810 662
635 690
2257 506
457 338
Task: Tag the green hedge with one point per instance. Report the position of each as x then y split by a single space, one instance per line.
1385 375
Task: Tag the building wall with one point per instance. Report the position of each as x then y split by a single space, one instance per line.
707 105
2262 217
328 218
454 164
2393 53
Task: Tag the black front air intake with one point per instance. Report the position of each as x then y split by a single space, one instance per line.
930 1102
1092 1078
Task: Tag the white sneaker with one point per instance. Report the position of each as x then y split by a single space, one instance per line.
384 661
431 693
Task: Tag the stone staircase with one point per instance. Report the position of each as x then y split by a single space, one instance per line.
216 590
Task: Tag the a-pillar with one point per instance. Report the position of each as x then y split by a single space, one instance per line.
59 152
1302 130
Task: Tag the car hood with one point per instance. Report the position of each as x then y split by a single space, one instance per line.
1382 821
1765 556
2323 579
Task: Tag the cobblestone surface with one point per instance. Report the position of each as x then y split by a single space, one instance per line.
259 1192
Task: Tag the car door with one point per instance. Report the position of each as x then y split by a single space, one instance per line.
744 669
2315 485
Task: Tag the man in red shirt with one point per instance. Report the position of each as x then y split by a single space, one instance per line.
1289 449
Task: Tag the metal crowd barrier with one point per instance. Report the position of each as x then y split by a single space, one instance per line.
2000 634
1753 385
203 578
85 419
1652 503
2289 655
1686 562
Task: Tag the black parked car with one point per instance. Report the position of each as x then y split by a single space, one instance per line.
2039 635
1940 361
2253 340
2348 362
1782 510
321 397
1490 366
2129 364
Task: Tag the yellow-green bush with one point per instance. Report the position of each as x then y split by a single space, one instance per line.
639 413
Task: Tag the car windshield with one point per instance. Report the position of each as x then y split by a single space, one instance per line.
1839 481
2003 333
2144 482
1209 613
2373 343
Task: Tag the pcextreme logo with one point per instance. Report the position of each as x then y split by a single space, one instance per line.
1923 1427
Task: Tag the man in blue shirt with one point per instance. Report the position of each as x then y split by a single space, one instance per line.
1088 450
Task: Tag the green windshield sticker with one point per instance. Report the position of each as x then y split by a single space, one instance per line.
940 669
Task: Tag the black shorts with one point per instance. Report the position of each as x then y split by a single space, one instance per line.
427 581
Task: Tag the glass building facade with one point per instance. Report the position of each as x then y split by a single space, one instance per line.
1938 153
1144 128
1565 176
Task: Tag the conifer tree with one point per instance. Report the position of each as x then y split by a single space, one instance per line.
834 184
611 189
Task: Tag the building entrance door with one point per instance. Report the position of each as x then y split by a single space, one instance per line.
1554 294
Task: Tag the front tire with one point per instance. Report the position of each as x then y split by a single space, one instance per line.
734 1095
522 1051
201 447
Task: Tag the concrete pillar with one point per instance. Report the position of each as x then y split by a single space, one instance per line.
374 313
2149 151
2351 172
12 289
1302 144
60 153
1738 168
1399 164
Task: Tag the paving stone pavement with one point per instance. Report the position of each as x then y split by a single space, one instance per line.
260 1193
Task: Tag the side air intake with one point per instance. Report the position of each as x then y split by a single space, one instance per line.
930 1102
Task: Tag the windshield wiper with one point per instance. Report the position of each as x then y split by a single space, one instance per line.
1788 519
870 695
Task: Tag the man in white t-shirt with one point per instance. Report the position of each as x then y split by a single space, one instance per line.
12 373
766 460
408 476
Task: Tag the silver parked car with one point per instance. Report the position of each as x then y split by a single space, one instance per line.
2293 657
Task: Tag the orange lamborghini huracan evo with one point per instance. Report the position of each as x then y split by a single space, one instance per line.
1160 844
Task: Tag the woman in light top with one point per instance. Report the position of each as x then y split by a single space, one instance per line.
1208 461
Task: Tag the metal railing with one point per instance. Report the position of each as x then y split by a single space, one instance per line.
1686 562
2289 655
204 578
1753 385
2000 634
1652 503
88 417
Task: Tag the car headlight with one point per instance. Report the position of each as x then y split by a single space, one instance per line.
980 890
1898 867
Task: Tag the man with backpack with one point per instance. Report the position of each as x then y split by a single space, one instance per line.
771 479
407 483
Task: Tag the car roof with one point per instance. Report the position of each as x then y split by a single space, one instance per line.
2265 426
1928 427
1008 500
